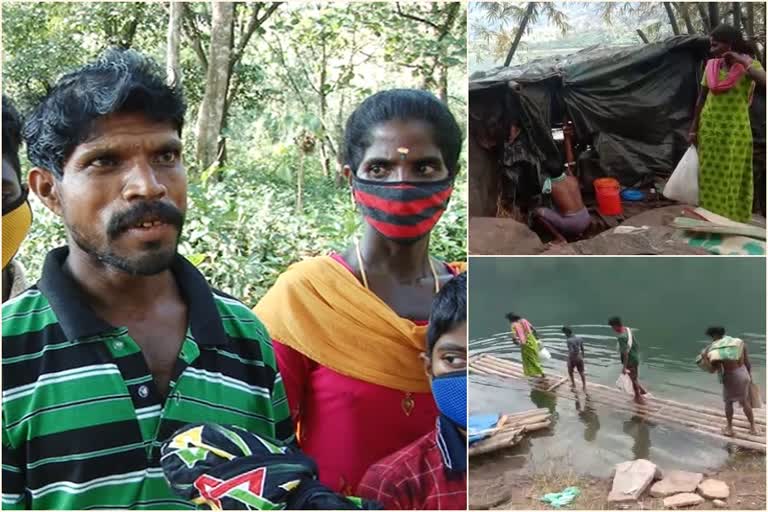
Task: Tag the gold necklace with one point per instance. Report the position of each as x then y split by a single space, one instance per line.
365 277
407 403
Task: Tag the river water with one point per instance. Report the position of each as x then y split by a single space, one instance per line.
668 301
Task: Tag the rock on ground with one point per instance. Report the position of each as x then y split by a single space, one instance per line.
720 504
492 235
676 482
686 499
714 489
631 480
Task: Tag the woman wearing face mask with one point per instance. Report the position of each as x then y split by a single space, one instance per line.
17 215
349 327
721 128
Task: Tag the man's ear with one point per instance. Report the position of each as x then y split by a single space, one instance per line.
427 364
45 186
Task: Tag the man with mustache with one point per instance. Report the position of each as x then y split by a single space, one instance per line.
122 341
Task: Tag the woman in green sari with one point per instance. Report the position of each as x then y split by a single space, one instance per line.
524 335
721 128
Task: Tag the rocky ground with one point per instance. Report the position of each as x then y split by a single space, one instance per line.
744 474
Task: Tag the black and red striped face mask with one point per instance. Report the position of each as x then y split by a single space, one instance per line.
402 211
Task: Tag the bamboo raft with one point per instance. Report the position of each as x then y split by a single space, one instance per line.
511 431
700 419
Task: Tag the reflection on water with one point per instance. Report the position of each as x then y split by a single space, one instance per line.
669 302
588 416
640 432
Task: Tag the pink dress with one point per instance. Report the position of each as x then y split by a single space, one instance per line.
346 424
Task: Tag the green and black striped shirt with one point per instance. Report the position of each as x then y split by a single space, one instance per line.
82 419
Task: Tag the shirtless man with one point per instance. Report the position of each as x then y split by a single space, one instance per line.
736 377
570 218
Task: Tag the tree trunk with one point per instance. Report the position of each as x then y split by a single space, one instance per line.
682 9
672 19
325 161
704 16
300 185
172 68
642 36
737 15
520 30
714 14
749 24
444 83
211 112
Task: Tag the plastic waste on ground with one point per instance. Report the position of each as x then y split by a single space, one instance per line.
562 498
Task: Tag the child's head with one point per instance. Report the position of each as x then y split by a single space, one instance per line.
447 332
567 331
615 323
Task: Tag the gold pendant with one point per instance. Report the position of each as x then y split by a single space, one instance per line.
407 404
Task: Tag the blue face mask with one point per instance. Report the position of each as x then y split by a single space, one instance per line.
450 392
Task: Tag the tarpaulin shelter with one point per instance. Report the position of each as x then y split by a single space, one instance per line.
633 104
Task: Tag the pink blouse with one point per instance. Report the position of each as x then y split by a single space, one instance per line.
346 424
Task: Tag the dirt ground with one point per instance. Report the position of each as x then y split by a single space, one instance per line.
744 473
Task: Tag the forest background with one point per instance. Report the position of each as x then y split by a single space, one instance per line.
269 87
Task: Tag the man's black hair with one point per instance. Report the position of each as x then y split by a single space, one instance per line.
733 36
449 310
614 320
119 81
11 135
716 331
402 105
567 330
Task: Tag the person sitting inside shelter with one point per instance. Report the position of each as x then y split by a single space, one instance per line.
431 472
569 218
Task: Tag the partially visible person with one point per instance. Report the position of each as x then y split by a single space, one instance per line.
525 335
735 374
431 472
121 341
575 356
569 218
17 215
629 353
348 327
721 127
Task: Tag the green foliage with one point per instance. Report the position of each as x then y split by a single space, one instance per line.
304 71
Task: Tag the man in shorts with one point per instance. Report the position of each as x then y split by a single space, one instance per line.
575 356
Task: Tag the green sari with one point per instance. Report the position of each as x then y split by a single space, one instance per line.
529 348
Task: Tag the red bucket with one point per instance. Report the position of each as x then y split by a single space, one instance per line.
608 199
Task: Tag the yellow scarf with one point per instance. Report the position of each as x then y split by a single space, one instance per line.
318 308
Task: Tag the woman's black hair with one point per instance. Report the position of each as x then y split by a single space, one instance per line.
716 331
119 81
449 310
512 317
402 105
11 135
614 321
733 36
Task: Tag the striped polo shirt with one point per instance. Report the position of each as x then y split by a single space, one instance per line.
82 419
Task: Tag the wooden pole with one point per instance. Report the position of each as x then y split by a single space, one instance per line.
698 424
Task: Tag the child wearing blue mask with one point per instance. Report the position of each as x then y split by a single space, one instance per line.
431 472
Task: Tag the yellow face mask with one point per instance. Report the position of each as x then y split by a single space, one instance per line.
16 222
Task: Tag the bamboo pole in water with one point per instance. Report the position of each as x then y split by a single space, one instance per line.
614 398
760 418
697 425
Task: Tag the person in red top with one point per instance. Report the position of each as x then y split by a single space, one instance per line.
431 472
